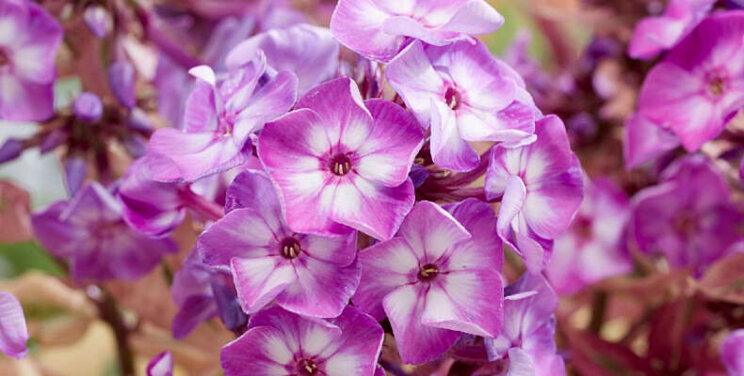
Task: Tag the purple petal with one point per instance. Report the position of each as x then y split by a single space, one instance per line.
387 155
122 77
412 76
25 100
645 141
358 25
161 365
467 301
260 351
200 109
474 17
13 332
177 156
269 102
732 352
385 266
194 311
322 289
260 280
357 350
242 233
448 149
430 231
417 343
310 52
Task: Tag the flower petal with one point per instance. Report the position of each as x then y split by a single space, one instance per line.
13 331
448 149
241 233
260 351
258 281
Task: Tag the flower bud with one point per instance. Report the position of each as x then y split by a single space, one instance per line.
88 108
98 20
11 149
121 78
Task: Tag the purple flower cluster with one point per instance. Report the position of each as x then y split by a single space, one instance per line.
361 195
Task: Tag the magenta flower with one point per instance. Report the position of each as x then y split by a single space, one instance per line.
306 274
688 216
438 277
594 246
339 161
220 116
150 207
29 38
463 93
378 30
310 52
654 35
91 234
161 365
528 338
192 292
732 353
281 343
13 331
645 141
541 188
699 86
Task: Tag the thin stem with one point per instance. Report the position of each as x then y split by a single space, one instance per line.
201 205
109 312
599 307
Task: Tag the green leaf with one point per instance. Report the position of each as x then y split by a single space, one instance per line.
16 259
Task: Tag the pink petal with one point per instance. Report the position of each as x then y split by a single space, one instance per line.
358 25
484 249
25 100
385 266
373 209
357 350
337 250
241 233
417 343
258 281
267 103
475 17
388 152
200 109
260 351
322 289
13 331
306 335
177 156
414 78
161 365
645 141
430 231
448 149
511 205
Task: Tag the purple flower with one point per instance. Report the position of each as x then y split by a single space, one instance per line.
732 353
150 207
306 274
87 107
192 292
339 161
91 234
688 216
161 365
654 35
699 86
438 277
29 38
282 343
528 337
220 116
13 331
645 141
463 93
310 52
541 188
379 29
594 246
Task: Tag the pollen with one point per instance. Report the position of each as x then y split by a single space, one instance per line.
290 248
428 272
340 165
717 86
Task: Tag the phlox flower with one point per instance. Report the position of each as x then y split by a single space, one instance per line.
654 35
13 332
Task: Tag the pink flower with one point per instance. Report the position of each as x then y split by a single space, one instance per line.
654 35
379 29
732 353
594 246
306 274
281 343
161 365
437 278
645 141
221 114
29 38
338 161
465 94
699 86
541 188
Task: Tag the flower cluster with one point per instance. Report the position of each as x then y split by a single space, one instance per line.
384 195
